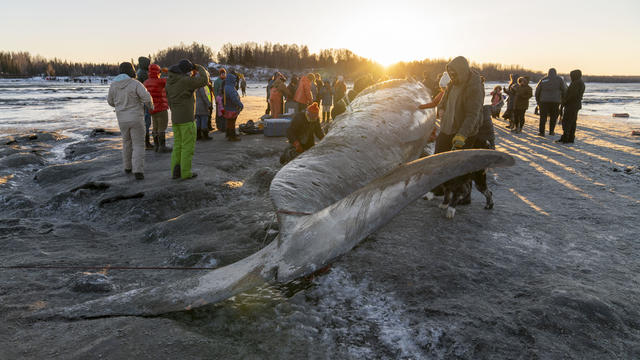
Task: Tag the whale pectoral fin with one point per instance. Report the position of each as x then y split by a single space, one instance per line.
345 223
384 197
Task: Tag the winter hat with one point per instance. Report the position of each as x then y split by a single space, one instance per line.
127 68
186 66
313 109
444 80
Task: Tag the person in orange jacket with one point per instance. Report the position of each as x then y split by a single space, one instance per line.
303 95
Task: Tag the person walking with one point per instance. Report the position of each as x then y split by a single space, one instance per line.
232 106
523 94
181 87
160 114
129 98
549 93
202 113
572 103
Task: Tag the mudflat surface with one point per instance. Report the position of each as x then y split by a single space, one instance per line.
551 272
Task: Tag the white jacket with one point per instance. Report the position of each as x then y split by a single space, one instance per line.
128 96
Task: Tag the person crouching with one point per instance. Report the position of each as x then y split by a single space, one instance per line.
304 128
129 97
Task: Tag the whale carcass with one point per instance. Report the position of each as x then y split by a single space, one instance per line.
327 200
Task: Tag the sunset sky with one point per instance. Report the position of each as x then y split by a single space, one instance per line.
599 37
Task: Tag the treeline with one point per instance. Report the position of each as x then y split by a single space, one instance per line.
296 57
24 64
291 57
197 53
433 67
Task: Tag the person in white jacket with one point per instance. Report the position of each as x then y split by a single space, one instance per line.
129 96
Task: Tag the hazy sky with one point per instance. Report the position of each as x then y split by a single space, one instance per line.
597 36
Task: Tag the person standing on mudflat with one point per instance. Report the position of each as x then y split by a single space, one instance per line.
510 90
130 98
462 107
521 104
142 75
549 93
232 106
202 113
572 104
181 87
159 115
218 85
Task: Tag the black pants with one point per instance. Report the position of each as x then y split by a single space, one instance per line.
569 122
550 110
519 117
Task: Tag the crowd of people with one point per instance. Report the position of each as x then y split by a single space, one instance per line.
553 99
186 89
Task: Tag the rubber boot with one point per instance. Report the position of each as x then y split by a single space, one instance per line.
147 143
163 148
156 143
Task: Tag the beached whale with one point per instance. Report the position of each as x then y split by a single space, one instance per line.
327 200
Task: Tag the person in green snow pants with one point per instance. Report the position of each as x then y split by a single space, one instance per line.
184 144
184 78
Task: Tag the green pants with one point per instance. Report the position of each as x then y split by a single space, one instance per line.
184 144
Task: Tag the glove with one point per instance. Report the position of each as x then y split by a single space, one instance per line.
458 142
298 147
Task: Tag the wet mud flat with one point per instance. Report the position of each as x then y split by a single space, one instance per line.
550 273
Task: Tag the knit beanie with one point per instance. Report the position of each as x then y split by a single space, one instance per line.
313 109
127 68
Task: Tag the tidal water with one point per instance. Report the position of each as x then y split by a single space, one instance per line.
35 104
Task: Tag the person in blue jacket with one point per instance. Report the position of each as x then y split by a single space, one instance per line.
232 106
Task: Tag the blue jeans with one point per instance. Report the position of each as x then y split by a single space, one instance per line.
202 122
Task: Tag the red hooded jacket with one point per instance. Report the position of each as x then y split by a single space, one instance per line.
155 86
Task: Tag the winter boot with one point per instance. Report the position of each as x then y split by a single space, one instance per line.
156 143
147 143
163 144
176 172
205 135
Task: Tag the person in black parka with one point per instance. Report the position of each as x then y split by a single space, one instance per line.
572 104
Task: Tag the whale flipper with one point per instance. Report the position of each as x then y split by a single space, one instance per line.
348 221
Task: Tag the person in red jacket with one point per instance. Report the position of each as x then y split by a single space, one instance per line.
159 115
